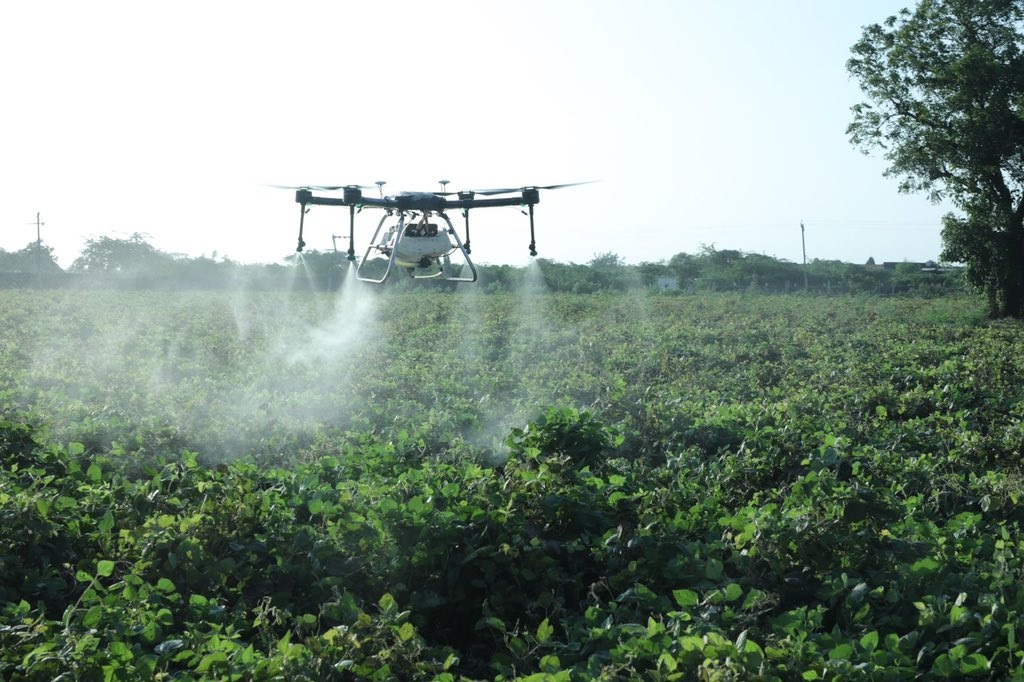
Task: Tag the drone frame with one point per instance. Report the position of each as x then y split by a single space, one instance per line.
425 202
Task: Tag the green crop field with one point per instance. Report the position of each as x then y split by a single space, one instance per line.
455 485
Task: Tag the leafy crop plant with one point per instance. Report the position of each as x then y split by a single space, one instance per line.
707 486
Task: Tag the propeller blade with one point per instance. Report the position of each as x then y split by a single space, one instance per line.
516 190
568 184
334 188
492 192
320 188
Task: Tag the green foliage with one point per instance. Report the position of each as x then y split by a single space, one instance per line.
31 259
943 84
133 255
679 487
566 432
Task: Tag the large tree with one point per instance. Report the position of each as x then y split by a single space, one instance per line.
944 86
36 257
128 256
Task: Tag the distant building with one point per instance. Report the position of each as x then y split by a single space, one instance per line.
927 266
892 265
666 284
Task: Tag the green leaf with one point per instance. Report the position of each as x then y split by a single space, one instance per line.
925 566
315 505
106 523
841 652
491 622
210 660
975 663
386 603
406 632
691 643
544 631
859 593
685 598
95 472
943 666
165 585
168 646
550 664
92 617
104 567
120 651
869 642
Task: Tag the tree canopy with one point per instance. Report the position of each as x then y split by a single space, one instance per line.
108 254
944 86
34 258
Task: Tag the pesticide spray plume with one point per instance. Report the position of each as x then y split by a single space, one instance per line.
504 349
273 363
346 329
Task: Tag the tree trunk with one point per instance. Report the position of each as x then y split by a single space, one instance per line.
1011 303
1014 295
1005 287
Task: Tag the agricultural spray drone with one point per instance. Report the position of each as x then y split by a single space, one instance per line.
406 235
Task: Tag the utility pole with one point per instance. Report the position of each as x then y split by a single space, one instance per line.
803 243
39 242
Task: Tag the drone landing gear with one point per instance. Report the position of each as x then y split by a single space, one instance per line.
419 248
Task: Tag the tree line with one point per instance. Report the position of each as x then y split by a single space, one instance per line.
134 263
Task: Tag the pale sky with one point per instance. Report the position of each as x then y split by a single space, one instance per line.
706 122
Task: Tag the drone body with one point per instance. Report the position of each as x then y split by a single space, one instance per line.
412 241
